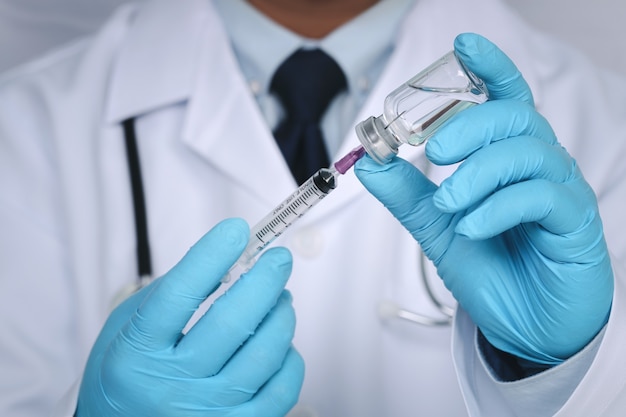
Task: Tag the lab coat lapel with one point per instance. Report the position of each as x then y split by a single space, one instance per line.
156 62
225 126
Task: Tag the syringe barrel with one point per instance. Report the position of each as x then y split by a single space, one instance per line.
318 186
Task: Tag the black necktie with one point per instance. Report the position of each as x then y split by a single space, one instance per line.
305 84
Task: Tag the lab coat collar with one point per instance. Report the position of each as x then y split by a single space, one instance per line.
155 66
225 126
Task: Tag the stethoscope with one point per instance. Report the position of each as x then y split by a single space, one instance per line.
144 260
387 308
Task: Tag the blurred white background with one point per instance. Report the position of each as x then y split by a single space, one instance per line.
597 27
30 27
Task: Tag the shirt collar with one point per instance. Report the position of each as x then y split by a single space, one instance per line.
357 46
156 63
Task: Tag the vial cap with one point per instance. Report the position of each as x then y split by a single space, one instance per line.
373 137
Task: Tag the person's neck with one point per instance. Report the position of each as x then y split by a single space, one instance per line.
312 18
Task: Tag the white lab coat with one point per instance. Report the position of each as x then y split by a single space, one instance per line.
206 154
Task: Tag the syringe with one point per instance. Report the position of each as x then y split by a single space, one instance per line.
311 192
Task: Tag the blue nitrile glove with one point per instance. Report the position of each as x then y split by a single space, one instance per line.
236 361
515 232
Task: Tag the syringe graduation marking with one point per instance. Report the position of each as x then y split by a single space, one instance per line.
283 214
318 186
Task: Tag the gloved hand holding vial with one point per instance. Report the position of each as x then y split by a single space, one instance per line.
515 232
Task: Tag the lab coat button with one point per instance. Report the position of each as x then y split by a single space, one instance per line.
308 242
255 87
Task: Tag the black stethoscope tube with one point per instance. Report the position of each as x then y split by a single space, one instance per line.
144 261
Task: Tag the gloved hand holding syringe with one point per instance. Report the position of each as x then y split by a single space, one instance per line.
318 186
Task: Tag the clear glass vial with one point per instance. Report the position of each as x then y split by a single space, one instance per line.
416 109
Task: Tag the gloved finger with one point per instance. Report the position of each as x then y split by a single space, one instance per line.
407 194
489 63
235 316
401 187
122 314
160 319
204 397
258 359
500 165
280 393
557 208
480 126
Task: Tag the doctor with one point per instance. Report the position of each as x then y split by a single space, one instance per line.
526 233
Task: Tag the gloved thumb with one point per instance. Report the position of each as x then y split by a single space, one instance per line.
407 194
489 63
